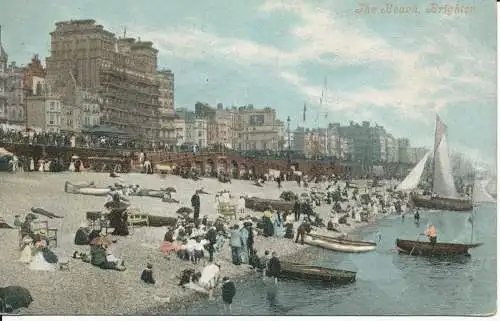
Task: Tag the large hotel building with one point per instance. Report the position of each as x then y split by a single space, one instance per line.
123 71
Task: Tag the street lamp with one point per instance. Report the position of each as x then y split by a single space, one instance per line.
289 142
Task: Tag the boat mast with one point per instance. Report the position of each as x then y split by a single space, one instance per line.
436 144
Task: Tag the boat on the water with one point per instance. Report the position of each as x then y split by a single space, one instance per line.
421 248
444 194
340 245
316 273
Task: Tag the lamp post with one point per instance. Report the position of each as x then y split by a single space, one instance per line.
289 142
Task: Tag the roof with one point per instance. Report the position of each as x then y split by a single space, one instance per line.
105 130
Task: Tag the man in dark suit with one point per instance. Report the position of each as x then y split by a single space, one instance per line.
195 203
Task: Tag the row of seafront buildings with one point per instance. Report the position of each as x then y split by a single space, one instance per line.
91 78
94 78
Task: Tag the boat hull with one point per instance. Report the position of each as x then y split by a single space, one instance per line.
314 273
437 249
151 193
159 221
338 246
260 204
92 191
344 245
441 203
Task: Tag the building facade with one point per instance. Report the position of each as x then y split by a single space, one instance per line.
15 95
259 130
45 113
123 71
3 82
404 150
89 109
166 88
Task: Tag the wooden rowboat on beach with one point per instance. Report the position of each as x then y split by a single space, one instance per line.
151 193
260 204
340 245
316 273
438 249
159 221
85 189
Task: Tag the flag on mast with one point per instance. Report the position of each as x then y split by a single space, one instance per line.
304 114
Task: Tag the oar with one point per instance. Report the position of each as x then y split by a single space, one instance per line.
418 235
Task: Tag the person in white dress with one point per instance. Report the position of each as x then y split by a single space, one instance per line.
38 262
41 168
241 204
209 276
27 251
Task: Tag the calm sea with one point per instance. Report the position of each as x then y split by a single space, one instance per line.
387 283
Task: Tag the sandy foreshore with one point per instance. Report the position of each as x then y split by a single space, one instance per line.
85 289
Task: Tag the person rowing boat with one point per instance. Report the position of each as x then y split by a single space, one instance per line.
431 233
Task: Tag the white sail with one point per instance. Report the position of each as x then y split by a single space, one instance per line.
479 193
411 181
443 178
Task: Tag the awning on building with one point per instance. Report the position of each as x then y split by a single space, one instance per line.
104 130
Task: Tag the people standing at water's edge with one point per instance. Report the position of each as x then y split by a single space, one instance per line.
431 233
212 240
195 203
275 267
236 245
303 228
417 216
228 293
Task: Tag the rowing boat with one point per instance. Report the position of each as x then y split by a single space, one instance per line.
316 273
437 249
92 191
151 193
339 245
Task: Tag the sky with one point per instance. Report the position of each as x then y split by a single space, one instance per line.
393 69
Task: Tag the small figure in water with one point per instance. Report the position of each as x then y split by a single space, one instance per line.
378 236
431 233
417 216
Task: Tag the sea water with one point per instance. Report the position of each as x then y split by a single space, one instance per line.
387 283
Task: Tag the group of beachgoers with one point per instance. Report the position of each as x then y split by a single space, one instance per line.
34 245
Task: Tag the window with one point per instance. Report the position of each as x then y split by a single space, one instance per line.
52 106
51 119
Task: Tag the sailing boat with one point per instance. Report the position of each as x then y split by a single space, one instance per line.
444 194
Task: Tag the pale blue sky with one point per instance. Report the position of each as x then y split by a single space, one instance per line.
395 70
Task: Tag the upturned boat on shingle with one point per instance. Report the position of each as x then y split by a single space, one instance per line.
316 273
339 245
438 249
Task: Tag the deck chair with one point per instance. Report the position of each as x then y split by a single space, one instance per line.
97 221
50 233
137 219
227 209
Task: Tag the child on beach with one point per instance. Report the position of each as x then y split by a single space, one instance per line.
147 274
228 293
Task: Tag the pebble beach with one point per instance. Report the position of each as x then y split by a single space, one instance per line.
85 289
